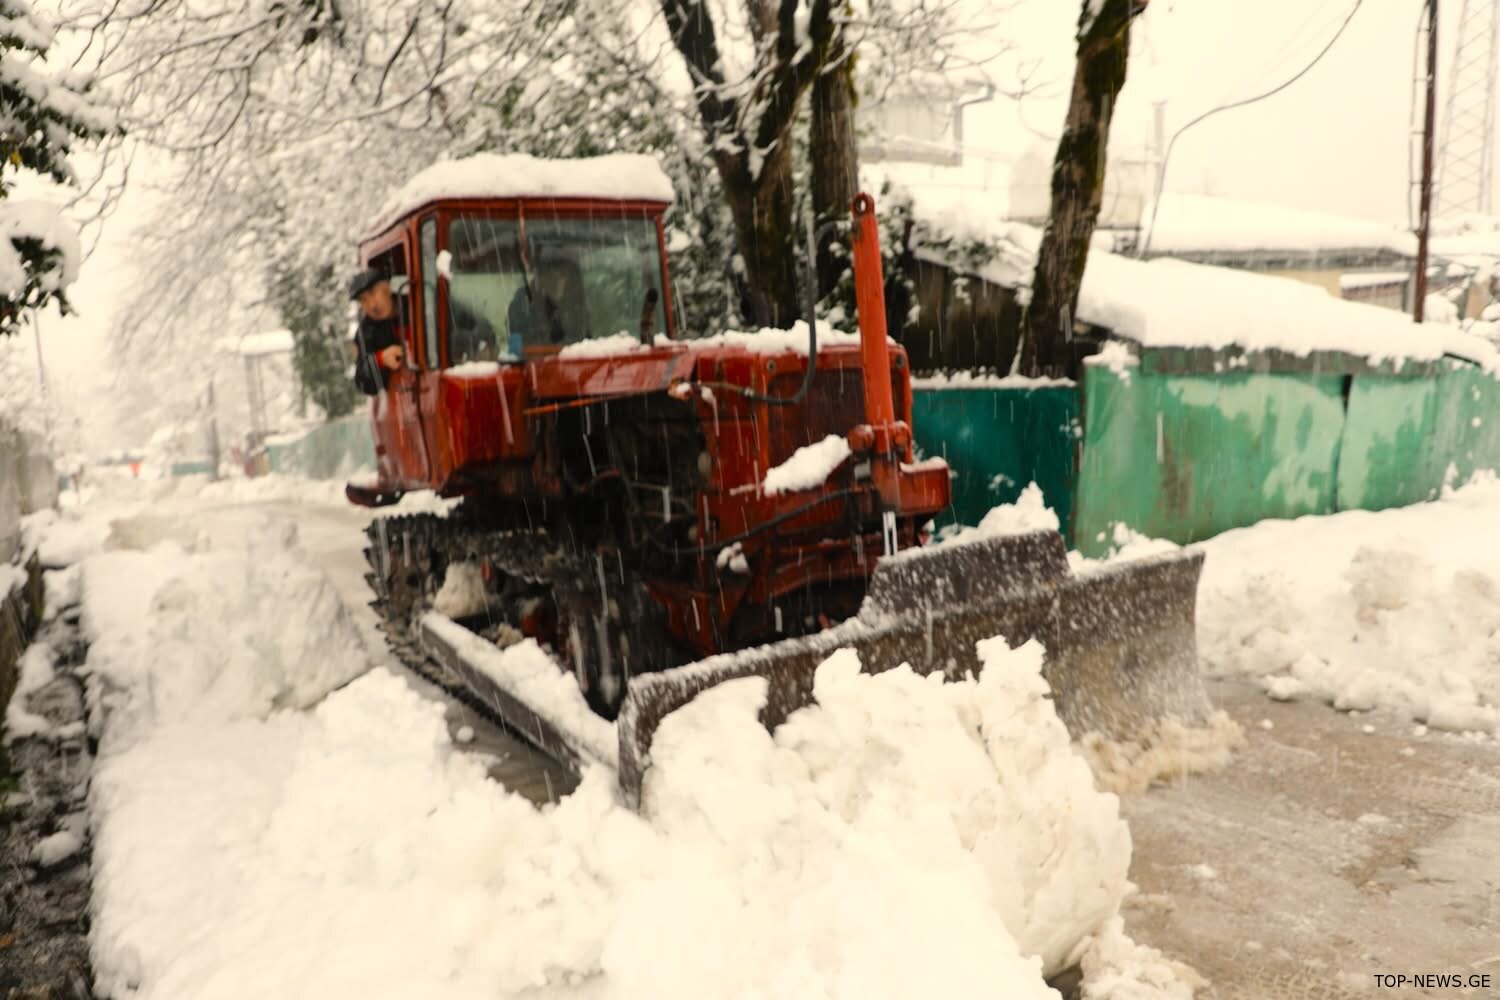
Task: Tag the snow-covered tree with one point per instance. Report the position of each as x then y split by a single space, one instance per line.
289 122
42 115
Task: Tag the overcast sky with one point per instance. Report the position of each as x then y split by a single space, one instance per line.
1336 141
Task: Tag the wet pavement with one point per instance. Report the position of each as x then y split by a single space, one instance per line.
1333 848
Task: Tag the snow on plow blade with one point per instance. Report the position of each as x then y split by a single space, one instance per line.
1121 649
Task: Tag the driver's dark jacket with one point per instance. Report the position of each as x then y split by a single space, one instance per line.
372 337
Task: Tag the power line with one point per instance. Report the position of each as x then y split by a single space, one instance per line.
1161 176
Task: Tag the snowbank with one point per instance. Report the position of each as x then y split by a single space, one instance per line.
902 837
1398 609
211 637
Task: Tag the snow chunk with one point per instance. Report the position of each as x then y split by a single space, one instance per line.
36 670
463 591
490 175
808 467
54 850
1117 968
1029 513
1167 750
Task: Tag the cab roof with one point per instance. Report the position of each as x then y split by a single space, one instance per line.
619 176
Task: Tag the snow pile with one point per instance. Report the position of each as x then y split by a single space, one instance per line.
463 592
213 636
1029 513
1398 609
63 538
608 347
902 837
808 467
36 670
960 807
490 175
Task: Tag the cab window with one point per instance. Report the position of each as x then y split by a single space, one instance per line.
429 291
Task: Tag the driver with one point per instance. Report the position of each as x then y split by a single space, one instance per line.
379 348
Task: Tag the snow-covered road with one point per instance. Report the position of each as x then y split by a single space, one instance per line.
1334 847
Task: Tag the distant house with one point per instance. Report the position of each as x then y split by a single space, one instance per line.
922 122
1337 253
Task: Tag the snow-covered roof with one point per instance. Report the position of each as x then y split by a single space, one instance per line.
1194 223
254 345
1373 279
624 176
1173 303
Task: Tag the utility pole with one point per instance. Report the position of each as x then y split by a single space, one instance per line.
1424 222
213 431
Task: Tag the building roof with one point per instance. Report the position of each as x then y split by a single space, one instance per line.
1200 226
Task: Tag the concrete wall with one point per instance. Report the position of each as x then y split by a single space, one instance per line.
28 483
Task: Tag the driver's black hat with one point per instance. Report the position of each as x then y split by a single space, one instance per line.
365 280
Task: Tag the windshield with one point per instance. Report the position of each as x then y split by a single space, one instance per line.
589 278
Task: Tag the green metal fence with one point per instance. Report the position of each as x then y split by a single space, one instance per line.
1188 456
1184 445
331 451
998 440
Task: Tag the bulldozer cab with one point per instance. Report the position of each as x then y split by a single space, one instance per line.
502 281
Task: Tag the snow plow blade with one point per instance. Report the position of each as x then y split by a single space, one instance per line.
1121 648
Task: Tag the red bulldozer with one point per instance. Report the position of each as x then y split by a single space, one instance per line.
662 510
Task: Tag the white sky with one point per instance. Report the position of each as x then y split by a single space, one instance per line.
1336 141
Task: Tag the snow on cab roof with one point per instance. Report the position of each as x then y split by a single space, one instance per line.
624 176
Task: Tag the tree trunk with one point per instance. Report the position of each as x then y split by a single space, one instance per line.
1077 188
834 157
765 231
